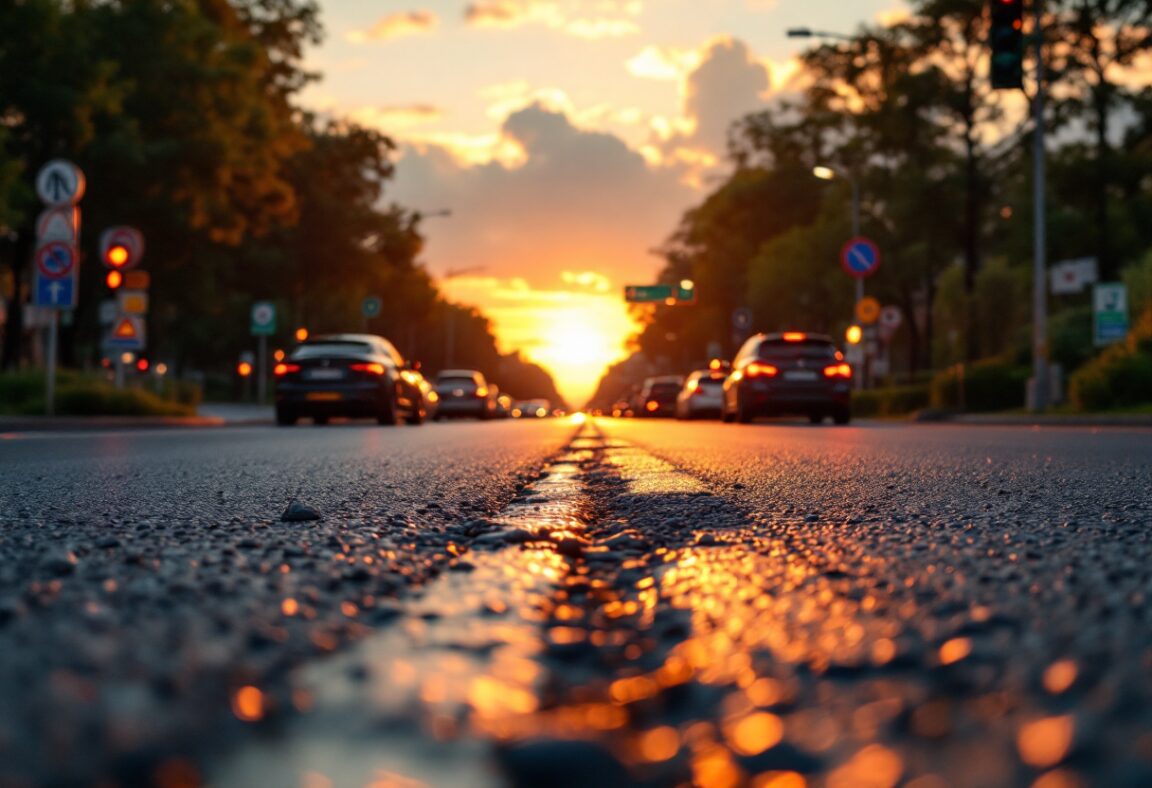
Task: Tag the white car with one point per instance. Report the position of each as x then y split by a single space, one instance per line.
702 396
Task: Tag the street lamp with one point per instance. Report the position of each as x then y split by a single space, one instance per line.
806 32
826 173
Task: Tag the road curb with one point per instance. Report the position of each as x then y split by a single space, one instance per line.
72 423
1033 420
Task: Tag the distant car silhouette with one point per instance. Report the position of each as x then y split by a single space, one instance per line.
464 393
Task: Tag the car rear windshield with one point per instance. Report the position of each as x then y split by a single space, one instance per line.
811 349
320 349
711 383
664 390
456 383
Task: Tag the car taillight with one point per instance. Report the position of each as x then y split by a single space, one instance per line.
370 367
481 392
282 369
652 405
755 370
693 386
838 371
795 336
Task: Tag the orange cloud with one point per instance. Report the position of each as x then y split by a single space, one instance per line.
590 19
401 116
404 23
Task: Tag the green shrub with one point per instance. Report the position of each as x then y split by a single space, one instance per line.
77 394
892 401
1119 377
988 385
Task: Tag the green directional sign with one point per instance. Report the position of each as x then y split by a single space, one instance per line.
647 294
685 293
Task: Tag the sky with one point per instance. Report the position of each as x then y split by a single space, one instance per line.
565 137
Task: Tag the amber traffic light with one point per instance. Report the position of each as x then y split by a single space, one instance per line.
114 279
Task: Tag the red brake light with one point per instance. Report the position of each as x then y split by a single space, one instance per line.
372 367
283 369
838 371
795 336
652 404
755 370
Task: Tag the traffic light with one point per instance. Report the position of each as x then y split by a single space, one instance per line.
1006 39
117 256
114 279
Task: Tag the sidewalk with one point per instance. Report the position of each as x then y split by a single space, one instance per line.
211 414
1035 419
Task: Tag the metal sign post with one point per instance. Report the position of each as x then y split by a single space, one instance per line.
59 185
262 324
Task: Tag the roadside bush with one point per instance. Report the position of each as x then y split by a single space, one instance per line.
1119 377
988 385
77 394
893 401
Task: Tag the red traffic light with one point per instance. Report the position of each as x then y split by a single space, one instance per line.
142 364
114 279
117 256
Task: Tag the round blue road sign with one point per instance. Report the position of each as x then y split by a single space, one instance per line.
860 257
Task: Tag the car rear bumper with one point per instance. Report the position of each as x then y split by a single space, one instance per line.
773 398
350 399
448 406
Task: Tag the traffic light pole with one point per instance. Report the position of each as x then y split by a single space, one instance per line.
262 370
1039 228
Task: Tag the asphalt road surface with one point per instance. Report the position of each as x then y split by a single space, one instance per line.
545 603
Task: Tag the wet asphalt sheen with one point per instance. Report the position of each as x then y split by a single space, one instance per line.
539 603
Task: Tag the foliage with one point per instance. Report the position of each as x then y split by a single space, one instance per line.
941 163
1119 377
78 394
893 401
182 114
985 386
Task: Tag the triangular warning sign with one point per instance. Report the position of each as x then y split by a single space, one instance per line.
125 329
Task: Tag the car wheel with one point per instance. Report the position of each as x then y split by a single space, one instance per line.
816 417
285 417
743 412
387 415
726 415
437 417
842 415
418 414
320 420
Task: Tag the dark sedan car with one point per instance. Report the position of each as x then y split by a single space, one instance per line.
793 372
347 375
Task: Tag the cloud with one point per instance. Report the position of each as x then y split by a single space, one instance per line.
662 63
589 19
573 200
403 23
397 116
727 84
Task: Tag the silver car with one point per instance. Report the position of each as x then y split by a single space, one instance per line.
702 396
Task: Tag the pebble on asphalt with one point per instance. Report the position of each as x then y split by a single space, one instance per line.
298 512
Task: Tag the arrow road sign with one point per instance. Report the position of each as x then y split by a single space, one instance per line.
55 260
860 257
56 293
60 182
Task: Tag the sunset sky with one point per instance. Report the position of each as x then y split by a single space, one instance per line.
566 137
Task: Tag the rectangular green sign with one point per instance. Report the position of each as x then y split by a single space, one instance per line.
660 294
